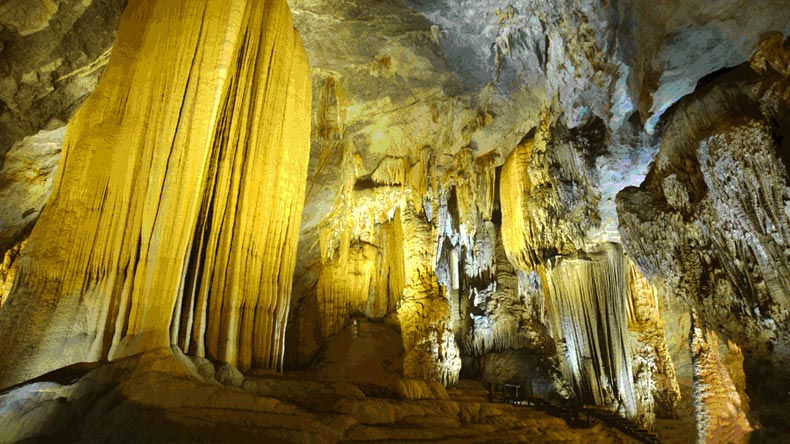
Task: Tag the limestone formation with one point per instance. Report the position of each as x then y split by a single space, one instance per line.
28 174
52 53
8 270
709 222
174 198
719 408
224 244
157 392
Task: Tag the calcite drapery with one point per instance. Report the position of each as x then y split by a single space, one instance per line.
710 224
549 209
587 311
175 212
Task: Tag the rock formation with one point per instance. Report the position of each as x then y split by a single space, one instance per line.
587 200
53 52
709 224
170 218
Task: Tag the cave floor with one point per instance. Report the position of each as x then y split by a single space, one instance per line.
158 397
681 430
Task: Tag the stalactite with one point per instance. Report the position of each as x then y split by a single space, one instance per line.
586 305
177 197
391 171
549 214
485 169
345 287
367 278
710 226
547 197
501 310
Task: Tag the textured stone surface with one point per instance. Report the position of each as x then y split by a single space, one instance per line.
719 408
433 210
174 212
709 223
156 398
51 56
26 180
229 375
8 270
709 226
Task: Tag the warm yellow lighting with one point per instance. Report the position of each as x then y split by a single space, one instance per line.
175 213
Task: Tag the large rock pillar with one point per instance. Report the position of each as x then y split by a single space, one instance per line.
175 212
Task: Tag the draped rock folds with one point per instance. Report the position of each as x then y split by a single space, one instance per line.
711 221
175 210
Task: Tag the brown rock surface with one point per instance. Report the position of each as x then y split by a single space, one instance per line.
159 392
52 53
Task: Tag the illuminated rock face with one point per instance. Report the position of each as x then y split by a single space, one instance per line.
173 218
548 198
488 272
710 225
464 158
601 314
606 317
587 310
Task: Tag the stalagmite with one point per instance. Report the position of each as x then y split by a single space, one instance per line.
424 310
654 374
720 417
175 211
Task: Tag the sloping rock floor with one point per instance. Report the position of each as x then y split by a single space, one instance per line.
167 397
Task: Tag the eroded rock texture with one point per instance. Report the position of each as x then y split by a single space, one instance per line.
161 393
27 177
719 409
174 209
459 216
51 55
710 223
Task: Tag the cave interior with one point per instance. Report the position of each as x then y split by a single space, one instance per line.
400 221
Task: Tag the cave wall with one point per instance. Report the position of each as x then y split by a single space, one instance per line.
51 56
709 224
194 244
464 158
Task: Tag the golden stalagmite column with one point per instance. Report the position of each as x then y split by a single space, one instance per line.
175 214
